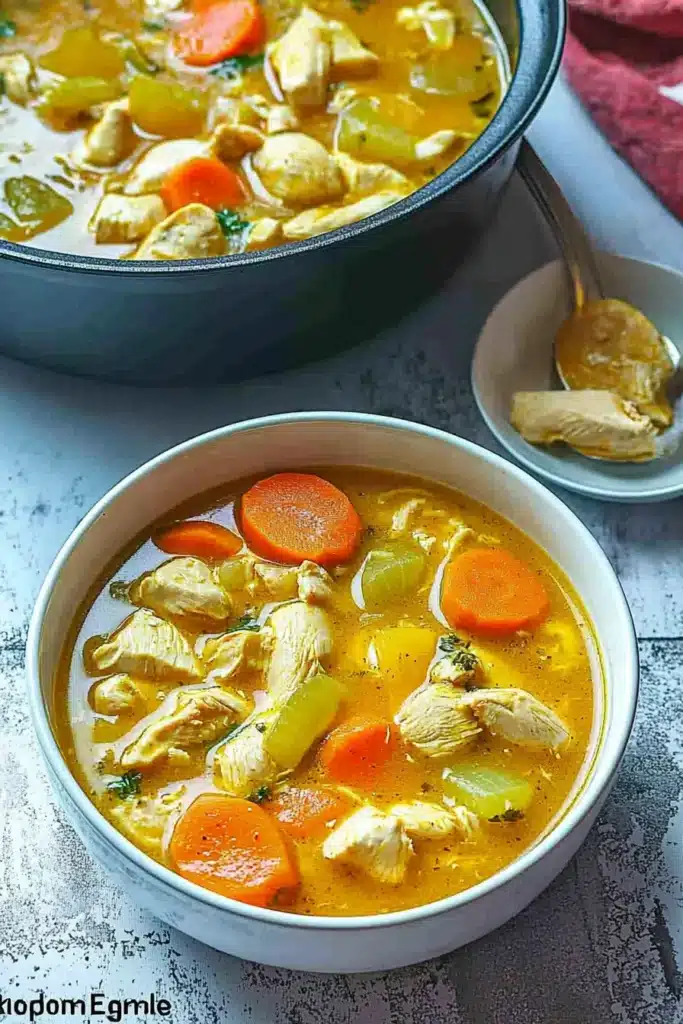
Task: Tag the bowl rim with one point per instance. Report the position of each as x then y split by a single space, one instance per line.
599 777
538 59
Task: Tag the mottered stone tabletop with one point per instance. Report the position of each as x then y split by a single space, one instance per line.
604 944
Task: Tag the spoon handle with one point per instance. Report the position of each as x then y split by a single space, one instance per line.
576 249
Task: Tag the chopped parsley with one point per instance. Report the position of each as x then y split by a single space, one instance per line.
7 27
512 814
234 228
234 67
154 26
126 785
259 795
118 589
244 622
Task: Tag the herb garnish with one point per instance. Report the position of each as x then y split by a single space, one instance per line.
233 67
7 27
119 590
450 643
126 785
361 6
154 26
483 106
259 795
244 622
233 227
512 814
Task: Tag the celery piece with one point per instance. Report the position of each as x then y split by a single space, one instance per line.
488 792
303 717
391 572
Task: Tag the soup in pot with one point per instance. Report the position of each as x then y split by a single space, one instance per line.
339 692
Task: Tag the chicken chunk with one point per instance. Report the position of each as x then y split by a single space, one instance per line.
182 587
457 662
193 718
263 232
423 820
225 657
120 219
18 77
281 118
149 172
147 646
435 720
517 716
110 140
242 762
466 821
373 842
435 144
302 639
349 58
230 142
298 169
118 695
594 422
314 583
361 179
190 233
144 820
328 218
301 58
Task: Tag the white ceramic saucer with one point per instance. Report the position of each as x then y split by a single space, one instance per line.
514 353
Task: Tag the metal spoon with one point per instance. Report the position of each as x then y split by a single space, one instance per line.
582 272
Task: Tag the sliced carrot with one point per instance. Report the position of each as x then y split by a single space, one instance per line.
304 812
292 516
199 538
218 30
356 751
234 848
491 591
202 180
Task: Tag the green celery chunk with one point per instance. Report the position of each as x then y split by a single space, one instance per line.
488 792
74 96
302 718
232 574
168 109
391 572
36 205
365 132
81 53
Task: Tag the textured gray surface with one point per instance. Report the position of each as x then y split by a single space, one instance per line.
604 943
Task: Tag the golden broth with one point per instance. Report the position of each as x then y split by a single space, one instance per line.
380 658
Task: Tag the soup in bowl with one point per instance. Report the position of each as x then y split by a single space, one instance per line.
332 696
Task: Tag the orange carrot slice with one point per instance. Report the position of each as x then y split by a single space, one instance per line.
203 180
356 752
218 30
234 848
489 590
199 538
304 812
293 516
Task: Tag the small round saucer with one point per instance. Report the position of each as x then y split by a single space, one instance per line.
515 353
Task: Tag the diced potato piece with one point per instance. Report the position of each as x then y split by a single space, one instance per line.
281 118
367 133
390 573
182 586
81 53
402 654
193 718
326 218
298 169
373 842
110 140
302 718
18 77
190 233
169 109
264 232
37 206
120 219
73 97
350 59
363 179
435 720
435 145
488 792
231 142
145 645
149 172
301 58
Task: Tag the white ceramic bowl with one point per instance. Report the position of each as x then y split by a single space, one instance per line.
298 440
515 353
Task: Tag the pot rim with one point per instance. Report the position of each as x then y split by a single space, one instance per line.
599 777
539 56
